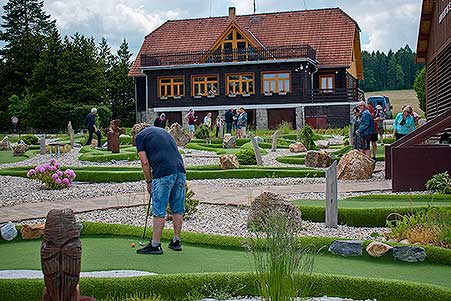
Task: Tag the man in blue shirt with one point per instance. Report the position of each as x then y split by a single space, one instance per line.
92 128
165 176
366 128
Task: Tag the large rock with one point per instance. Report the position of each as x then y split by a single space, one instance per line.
229 162
5 144
377 249
19 149
266 204
409 253
355 165
229 141
32 231
8 231
316 159
346 247
297 147
179 134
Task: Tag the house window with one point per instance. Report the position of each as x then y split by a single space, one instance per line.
240 83
234 47
327 83
276 82
205 85
171 86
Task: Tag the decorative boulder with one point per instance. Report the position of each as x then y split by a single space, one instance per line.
377 249
179 134
297 147
355 165
317 159
409 253
229 162
8 231
229 141
5 144
346 247
19 149
32 231
269 202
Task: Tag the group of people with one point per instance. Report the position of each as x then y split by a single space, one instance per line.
368 126
233 119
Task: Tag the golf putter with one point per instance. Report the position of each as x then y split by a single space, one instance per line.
141 243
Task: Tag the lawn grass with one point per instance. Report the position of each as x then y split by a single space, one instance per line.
7 156
108 253
385 201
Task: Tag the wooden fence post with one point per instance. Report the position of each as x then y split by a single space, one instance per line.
258 155
275 136
331 197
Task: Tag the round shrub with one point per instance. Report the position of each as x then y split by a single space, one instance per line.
202 132
246 157
440 183
30 139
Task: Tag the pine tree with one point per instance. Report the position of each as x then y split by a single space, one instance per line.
122 87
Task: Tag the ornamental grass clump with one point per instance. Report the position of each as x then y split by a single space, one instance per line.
282 264
51 176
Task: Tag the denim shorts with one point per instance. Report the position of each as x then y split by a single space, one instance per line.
169 189
191 128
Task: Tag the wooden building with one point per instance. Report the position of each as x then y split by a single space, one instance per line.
300 67
434 49
415 158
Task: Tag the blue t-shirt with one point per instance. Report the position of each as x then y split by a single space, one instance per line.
161 150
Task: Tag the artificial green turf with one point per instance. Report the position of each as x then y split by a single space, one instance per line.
108 253
7 156
385 201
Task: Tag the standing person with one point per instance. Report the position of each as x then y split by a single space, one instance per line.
404 123
373 137
357 139
379 118
242 122
160 121
219 126
366 128
90 123
165 177
229 121
191 119
235 123
207 120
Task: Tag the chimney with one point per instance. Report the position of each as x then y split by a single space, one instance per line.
232 13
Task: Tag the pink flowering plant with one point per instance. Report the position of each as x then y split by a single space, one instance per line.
51 175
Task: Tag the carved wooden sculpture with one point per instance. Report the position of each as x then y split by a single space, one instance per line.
61 257
113 136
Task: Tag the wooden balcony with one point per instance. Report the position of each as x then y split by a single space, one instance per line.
250 54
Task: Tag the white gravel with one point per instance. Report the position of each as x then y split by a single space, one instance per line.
37 274
325 298
218 219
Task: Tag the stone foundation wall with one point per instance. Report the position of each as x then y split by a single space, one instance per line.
300 117
148 116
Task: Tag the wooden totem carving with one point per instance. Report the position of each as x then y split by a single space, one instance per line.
113 135
61 256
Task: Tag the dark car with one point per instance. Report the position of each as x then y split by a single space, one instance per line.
384 102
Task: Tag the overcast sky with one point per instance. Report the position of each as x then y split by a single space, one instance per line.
385 24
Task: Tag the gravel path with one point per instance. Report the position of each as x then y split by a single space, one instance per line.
218 219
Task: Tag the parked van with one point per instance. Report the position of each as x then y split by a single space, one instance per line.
384 101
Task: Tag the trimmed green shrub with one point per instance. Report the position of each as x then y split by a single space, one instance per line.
389 140
306 136
246 157
440 183
30 139
202 132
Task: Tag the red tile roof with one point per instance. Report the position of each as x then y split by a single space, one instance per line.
329 31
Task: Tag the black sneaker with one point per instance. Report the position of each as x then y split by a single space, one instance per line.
150 250
175 245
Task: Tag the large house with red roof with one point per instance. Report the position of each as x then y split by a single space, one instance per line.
299 66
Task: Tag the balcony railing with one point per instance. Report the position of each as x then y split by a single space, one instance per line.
229 55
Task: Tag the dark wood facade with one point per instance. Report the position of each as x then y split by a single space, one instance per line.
434 49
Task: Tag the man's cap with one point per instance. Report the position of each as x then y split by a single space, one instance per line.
379 107
94 110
